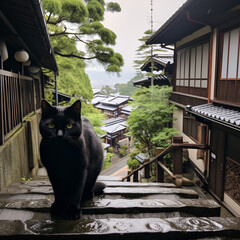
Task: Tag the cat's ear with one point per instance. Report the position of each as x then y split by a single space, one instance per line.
76 109
47 109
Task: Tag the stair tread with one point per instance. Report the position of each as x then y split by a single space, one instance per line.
107 228
150 190
112 203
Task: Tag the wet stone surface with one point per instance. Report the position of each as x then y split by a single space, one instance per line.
148 225
11 227
133 184
43 204
187 193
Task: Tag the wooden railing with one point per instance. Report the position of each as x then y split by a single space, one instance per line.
18 98
177 154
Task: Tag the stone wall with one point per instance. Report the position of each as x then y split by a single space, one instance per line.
19 156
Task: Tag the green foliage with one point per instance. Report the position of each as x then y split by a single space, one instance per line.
113 7
96 119
125 147
149 121
145 51
107 90
133 164
73 23
128 88
107 160
111 149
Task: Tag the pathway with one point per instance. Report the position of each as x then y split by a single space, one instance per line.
118 168
126 210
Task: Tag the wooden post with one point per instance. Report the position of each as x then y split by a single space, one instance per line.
1 111
128 179
159 172
146 171
135 176
177 161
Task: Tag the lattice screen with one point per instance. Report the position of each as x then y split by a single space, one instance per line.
232 181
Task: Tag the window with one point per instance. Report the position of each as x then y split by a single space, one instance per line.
195 130
230 67
192 66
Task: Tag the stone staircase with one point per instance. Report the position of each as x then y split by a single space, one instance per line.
125 211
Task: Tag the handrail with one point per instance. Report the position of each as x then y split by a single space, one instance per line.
166 151
163 153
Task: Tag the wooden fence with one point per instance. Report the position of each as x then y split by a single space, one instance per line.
19 97
157 163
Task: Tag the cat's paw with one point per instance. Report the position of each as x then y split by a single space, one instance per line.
72 213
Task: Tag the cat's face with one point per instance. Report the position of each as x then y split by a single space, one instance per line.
60 122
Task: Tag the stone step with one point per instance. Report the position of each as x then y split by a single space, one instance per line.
148 228
102 178
136 184
191 207
136 192
118 207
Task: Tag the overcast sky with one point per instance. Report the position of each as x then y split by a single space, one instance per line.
130 25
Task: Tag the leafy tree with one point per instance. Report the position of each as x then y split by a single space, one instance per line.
106 90
77 35
76 24
149 123
145 51
128 88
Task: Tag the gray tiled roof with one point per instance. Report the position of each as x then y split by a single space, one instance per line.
114 128
219 113
106 107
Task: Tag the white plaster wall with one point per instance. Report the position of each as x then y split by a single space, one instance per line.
178 124
235 207
214 64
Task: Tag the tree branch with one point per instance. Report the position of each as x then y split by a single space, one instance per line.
76 56
49 17
57 21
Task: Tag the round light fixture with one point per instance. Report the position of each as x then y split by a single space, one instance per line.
21 56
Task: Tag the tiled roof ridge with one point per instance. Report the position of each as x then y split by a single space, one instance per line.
220 113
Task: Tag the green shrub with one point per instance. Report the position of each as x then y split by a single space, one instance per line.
132 164
110 149
107 160
122 152
125 147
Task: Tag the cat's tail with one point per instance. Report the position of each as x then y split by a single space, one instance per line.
98 188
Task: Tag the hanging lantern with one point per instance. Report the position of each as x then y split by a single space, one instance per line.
3 50
21 56
33 69
27 63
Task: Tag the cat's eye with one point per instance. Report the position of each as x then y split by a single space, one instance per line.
51 125
69 125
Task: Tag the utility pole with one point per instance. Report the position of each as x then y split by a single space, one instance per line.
152 63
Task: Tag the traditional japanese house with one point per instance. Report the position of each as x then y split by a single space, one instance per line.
163 63
115 129
111 105
25 49
206 89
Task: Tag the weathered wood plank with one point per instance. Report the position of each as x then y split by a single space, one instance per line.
135 191
149 228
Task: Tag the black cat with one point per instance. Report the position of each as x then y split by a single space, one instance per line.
72 154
